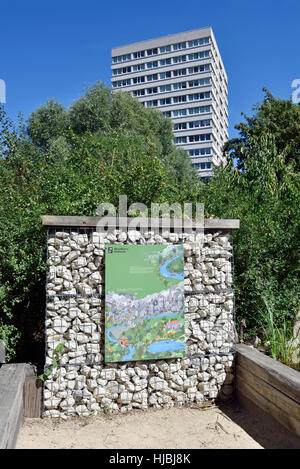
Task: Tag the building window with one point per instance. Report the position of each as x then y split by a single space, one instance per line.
119 83
119 71
138 80
199 138
199 55
165 88
152 51
199 110
139 93
152 64
152 103
201 82
179 86
178 73
165 49
163 75
137 68
179 99
180 126
198 96
138 55
177 60
167 113
165 62
165 101
178 140
199 68
196 124
199 42
152 90
200 151
121 58
179 46
152 77
179 112
206 165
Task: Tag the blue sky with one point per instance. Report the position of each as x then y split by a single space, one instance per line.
56 49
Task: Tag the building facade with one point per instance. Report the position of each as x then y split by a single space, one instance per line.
183 76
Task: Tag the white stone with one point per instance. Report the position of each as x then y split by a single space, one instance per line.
79 263
62 271
122 237
80 239
92 266
84 288
228 305
52 413
82 338
98 239
92 348
157 383
67 403
108 374
133 235
52 403
125 397
73 312
55 242
84 272
71 257
60 325
95 278
82 410
88 328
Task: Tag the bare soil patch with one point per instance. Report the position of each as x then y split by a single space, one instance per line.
174 428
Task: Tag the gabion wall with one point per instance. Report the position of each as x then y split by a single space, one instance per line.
82 384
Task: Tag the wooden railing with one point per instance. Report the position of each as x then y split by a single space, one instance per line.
270 385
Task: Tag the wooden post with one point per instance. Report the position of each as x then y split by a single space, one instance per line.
2 352
32 397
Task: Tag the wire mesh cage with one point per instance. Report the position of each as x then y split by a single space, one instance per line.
75 314
75 308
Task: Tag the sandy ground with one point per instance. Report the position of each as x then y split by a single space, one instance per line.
175 428
216 427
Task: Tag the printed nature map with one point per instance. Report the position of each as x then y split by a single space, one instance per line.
144 301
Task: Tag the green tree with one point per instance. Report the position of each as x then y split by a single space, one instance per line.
47 123
278 117
68 162
265 196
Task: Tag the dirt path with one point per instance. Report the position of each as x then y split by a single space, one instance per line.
175 428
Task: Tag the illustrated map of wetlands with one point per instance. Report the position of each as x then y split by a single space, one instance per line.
144 302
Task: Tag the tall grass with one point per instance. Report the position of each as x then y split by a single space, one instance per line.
280 340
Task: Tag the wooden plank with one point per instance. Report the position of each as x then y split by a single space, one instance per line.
286 404
283 438
12 378
282 377
217 224
288 421
69 221
123 222
2 352
32 397
11 403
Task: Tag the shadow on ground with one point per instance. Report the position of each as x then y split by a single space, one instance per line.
260 426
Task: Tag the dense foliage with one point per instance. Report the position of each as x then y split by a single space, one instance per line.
278 117
265 195
67 161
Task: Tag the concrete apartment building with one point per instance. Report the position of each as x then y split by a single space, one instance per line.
183 76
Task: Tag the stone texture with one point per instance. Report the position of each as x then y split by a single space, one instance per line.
84 385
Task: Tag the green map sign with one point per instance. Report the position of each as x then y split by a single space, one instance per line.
144 301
